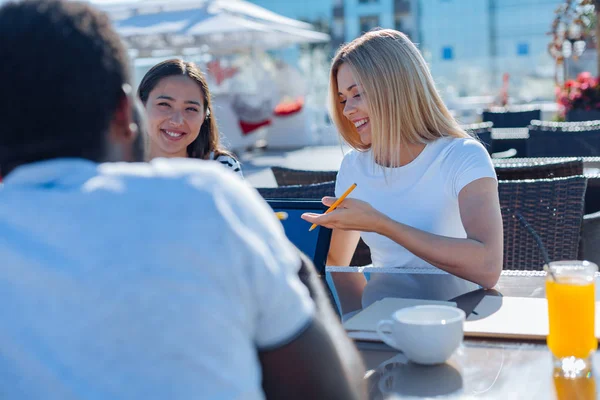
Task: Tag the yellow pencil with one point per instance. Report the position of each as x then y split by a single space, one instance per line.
281 215
337 203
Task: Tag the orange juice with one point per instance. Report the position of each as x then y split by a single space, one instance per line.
579 388
571 313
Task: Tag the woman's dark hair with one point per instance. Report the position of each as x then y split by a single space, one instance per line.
208 139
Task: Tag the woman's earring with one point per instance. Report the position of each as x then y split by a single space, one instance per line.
207 113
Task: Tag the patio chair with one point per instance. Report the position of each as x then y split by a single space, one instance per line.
511 169
509 142
481 131
553 208
314 191
511 117
590 238
564 139
288 176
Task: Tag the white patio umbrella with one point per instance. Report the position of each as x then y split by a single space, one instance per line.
215 25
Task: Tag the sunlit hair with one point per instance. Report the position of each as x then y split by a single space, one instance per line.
403 104
208 140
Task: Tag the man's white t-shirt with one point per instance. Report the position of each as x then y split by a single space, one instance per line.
422 194
141 281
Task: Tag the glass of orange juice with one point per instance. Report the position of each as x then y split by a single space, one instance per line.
583 388
571 313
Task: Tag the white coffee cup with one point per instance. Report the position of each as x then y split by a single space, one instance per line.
426 334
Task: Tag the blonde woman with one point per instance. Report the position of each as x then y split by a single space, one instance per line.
427 194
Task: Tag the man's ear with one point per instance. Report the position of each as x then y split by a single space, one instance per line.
123 130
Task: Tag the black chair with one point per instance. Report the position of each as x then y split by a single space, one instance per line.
553 208
564 139
592 194
510 140
511 117
288 176
511 169
590 238
554 167
315 191
482 132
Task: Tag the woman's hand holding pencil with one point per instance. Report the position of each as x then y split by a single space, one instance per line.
346 214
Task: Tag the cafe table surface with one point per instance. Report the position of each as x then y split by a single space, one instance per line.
480 368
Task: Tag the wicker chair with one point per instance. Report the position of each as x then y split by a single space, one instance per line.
287 176
553 208
564 139
481 131
591 165
315 191
511 169
513 117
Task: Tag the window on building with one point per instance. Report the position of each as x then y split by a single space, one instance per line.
398 23
447 53
522 49
369 22
337 28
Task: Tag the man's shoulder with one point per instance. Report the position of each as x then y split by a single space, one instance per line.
162 168
162 172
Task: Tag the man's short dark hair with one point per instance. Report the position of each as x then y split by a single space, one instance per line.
62 70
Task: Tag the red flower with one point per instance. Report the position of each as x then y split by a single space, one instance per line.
581 93
584 76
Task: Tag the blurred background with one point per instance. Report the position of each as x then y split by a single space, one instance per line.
267 60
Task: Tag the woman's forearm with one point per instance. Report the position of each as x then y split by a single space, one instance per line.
466 258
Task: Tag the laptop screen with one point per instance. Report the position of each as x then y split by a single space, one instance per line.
314 244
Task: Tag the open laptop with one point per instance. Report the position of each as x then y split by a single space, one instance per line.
314 244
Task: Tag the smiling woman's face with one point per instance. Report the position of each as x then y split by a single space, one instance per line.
175 109
351 96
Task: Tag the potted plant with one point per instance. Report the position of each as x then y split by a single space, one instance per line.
579 99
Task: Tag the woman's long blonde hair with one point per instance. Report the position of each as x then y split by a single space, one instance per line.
403 104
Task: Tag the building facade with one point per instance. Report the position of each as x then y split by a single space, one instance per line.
469 44
472 44
359 16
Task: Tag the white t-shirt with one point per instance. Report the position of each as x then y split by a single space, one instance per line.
141 281
422 194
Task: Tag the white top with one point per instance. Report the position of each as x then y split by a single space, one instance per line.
141 281
422 194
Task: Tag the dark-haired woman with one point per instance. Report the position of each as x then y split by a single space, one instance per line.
180 116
